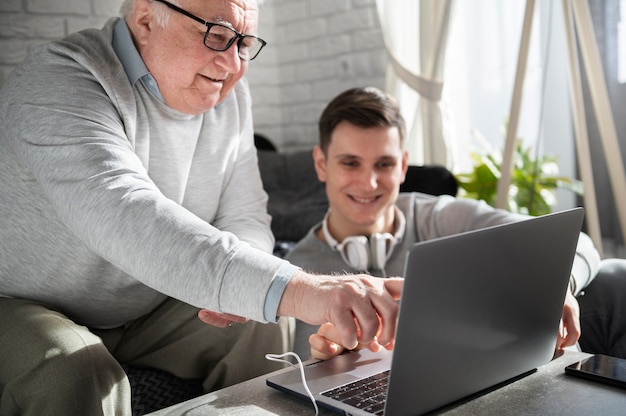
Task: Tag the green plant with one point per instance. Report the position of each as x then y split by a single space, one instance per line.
533 180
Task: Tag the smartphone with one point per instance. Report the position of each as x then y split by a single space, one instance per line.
601 368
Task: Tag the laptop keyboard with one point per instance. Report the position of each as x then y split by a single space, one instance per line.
368 393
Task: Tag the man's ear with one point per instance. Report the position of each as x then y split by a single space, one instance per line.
319 161
405 165
140 21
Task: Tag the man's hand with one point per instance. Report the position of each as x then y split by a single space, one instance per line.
569 328
362 308
220 320
325 343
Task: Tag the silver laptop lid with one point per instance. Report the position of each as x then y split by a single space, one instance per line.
477 309
482 307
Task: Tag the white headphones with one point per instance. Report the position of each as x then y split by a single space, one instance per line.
361 252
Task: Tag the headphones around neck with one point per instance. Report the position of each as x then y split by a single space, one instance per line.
363 253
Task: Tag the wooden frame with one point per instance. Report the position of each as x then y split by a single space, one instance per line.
577 22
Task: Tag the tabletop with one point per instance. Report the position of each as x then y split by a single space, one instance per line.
547 391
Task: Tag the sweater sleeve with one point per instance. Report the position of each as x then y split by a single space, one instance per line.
447 215
586 263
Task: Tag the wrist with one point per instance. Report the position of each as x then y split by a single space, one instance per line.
289 302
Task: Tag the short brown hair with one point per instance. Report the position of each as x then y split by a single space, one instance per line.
363 107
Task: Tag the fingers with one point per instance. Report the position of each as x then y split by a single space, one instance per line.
326 344
569 327
394 287
571 330
566 338
220 320
380 326
389 319
569 340
322 349
371 312
561 336
347 331
363 308
371 317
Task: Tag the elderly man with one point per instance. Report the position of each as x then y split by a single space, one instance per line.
132 205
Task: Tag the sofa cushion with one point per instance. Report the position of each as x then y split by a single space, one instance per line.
297 199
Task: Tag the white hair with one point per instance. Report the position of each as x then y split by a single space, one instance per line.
126 9
162 16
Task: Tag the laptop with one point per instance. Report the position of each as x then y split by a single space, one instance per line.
478 309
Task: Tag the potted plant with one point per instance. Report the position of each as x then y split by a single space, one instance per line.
533 179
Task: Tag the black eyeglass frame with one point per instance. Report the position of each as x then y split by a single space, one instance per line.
239 37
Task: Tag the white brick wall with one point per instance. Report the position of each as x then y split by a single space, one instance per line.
316 48
25 24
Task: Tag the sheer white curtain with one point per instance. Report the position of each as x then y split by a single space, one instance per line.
416 34
480 73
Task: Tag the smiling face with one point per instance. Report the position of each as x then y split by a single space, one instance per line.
191 77
363 170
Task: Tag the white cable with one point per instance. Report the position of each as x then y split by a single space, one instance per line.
280 358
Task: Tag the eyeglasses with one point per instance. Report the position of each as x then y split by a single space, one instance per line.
219 37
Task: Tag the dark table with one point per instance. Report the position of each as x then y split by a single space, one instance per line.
548 391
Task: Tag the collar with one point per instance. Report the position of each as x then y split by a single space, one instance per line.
132 62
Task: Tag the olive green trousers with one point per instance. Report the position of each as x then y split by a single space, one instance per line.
49 365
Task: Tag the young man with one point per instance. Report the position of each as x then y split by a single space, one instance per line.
369 226
132 204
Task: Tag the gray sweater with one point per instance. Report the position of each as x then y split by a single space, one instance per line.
429 217
111 201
